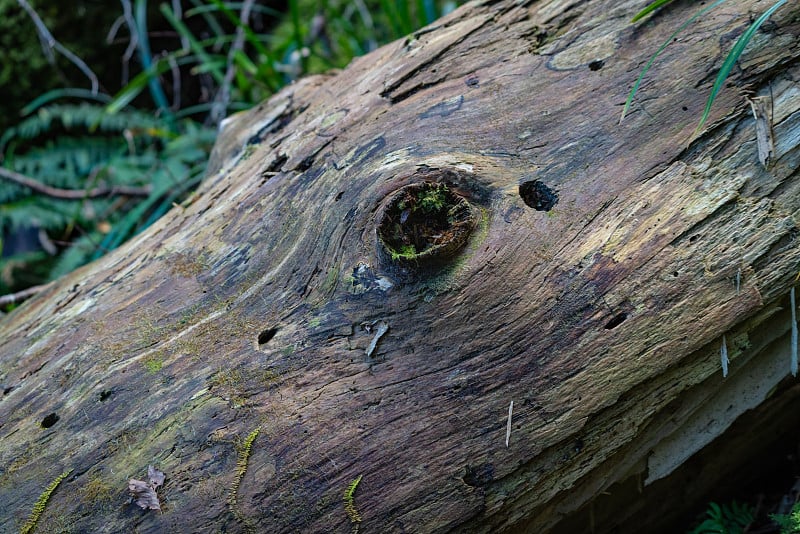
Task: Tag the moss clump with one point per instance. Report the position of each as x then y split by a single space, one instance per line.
228 384
153 364
241 468
424 222
38 508
96 490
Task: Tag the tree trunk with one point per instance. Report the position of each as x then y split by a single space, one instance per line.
382 260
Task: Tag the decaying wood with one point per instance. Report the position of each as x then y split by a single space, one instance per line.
600 319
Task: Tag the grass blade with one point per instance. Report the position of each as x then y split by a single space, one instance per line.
196 47
159 97
136 86
732 57
271 78
649 9
646 68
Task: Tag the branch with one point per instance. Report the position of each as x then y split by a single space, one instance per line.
127 16
19 296
223 96
73 194
47 39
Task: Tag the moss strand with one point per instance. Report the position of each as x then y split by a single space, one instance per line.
241 468
38 508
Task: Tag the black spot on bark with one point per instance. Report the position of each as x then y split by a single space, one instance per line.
597 64
50 420
616 321
276 164
265 336
538 196
479 475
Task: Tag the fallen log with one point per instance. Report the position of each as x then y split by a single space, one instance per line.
382 260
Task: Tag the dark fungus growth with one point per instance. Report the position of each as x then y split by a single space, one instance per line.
424 222
537 195
50 420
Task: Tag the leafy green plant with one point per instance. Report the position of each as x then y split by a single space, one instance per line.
730 518
727 64
87 181
245 66
788 523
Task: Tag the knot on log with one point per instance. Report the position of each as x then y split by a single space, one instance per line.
424 224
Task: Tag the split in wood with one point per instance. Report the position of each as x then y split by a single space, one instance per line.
794 332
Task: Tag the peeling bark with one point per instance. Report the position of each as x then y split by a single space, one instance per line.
599 315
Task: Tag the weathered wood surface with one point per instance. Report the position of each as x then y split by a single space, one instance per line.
601 319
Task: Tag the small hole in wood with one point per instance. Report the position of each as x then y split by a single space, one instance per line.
7 390
305 164
339 196
265 336
50 420
616 321
537 195
479 475
597 64
105 394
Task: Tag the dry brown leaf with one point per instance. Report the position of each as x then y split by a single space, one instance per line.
143 493
156 477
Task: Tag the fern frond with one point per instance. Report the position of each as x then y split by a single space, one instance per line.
349 501
79 253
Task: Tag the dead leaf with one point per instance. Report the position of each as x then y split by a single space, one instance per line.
143 493
156 477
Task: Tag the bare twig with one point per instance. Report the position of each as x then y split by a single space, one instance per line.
508 424
178 10
19 296
176 82
127 13
49 44
72 194
224 94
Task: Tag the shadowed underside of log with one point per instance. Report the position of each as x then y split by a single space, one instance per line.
269 303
